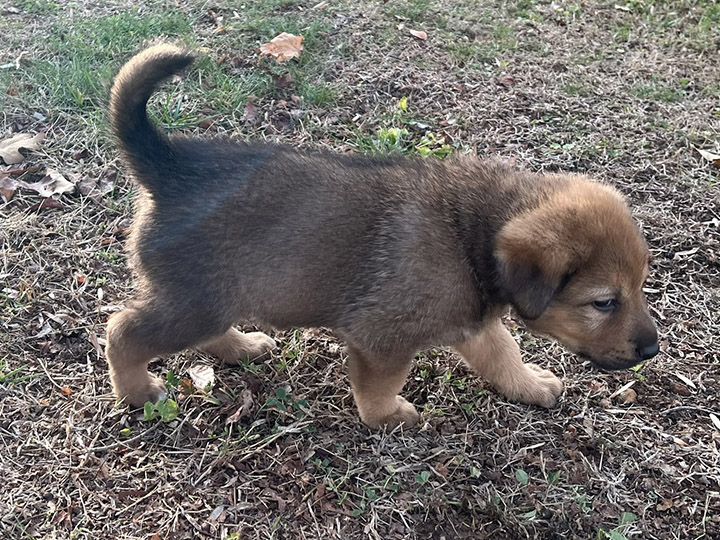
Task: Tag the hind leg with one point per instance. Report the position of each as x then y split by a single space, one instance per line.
376 383
139 333
234 346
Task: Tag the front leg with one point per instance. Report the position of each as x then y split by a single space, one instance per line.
494 354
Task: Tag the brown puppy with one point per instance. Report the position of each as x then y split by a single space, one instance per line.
394 255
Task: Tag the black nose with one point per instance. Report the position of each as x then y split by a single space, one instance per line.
647 351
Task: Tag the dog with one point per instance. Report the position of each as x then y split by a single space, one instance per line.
393 254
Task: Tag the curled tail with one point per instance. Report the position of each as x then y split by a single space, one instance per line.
146 148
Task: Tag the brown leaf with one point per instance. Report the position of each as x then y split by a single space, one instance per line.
80 154
7 187
506 80
187 387
22 169
665 504
86 186
709 156
419 34
107 181
282 81
250 113
66 391
243 410
283 47
628 396
681 389
53 183
46 204
207 124
10 148
276 497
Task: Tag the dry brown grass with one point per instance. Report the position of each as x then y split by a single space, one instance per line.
622 95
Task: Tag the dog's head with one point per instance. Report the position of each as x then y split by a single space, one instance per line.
574 269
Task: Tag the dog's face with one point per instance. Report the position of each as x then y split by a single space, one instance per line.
574 269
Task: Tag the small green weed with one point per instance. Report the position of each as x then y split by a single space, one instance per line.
522 477
625 519
422 477
166 410
285 403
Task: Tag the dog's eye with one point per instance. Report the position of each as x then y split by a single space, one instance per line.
605 305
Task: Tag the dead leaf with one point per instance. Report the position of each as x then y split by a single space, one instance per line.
282 504
46 204
243 410
66 391
203 377
86 186
187 387
628 396
506 80
10 148
687 381
282 81
622 389
715 420
250 113
665 504
54 183
207 124
419 34
709 156
217 514
80 154
283 47
7 187
681 389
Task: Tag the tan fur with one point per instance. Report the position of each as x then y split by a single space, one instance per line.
494 355
394 255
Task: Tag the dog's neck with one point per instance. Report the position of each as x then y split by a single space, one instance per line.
497 193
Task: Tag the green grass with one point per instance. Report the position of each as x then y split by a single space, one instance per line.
409 10
657 91
39 7
80 60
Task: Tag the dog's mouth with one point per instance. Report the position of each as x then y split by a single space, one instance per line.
609 364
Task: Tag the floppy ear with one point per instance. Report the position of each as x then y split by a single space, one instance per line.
535 262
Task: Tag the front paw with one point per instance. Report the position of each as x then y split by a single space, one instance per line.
535 386
258 344
136 392
404 414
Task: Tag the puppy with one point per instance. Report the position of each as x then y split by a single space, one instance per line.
395 255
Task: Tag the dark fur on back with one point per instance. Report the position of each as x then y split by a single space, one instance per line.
352 225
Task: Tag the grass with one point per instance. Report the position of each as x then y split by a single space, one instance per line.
274 449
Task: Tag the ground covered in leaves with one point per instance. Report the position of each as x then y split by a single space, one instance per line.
628 92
